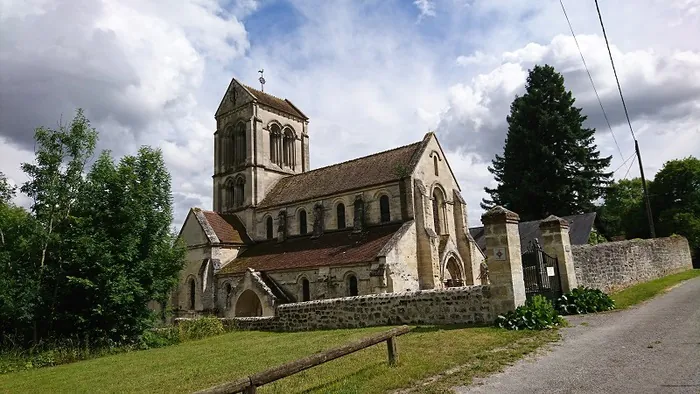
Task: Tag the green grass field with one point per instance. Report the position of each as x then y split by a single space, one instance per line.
644 291
423 353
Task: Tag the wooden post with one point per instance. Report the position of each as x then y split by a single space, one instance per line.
391 349
250 389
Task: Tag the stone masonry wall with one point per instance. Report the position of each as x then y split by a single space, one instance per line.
457 305
616 265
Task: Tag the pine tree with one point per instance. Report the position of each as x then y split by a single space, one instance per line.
550 164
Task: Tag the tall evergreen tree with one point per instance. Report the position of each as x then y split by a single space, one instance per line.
550 164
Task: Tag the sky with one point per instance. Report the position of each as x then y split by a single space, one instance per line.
371 75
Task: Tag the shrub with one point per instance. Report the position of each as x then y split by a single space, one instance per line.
584 300
538 313
200 328
159 337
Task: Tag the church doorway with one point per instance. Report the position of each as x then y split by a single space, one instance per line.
248 305
453 276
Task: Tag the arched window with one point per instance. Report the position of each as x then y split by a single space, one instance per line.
239 192
240 144
288 150
305 290
438 206
268 227
229 148
193 289
435 165
276 145
352 285
340 215
384 209
230 192
302 222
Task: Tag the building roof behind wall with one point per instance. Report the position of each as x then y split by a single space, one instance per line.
330 249
580 227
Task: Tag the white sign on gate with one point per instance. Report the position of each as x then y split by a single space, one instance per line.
550 271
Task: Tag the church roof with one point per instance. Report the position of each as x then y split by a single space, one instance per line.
330 249
376 169
227 227
580 227
277 103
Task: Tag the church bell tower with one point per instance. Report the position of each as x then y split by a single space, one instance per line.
259 139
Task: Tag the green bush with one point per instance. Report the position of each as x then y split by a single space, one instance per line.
584 300
159 337
538 313
200 328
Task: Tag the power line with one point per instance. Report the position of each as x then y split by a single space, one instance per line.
628 170
590 78
624 162
619 89
650 219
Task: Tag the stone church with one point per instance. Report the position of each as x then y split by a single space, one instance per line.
281 232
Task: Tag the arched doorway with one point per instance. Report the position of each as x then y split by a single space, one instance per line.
352 285
248 305
453 275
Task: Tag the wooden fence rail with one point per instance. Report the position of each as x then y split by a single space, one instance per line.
250 383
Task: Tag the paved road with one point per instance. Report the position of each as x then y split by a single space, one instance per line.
651 348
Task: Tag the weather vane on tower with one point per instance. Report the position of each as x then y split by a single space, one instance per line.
262 80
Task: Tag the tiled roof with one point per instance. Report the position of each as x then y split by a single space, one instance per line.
375 169
580 227
277 103
228 227
330 249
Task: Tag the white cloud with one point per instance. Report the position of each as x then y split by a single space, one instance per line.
478 58
426 8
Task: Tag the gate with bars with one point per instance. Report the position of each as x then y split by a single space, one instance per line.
540 273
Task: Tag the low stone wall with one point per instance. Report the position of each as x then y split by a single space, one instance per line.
458 305
616 265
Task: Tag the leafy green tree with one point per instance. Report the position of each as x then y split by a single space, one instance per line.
140 259
675 199
55 183
17 289
550 164
623 213
7 191
93 250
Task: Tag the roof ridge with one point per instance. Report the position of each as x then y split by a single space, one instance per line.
355 159
260 91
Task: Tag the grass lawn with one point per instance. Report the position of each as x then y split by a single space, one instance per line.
644 291
423 353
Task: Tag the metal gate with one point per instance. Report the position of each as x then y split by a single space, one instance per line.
540 273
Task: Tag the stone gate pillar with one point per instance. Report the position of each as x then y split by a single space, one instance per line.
504 258
556 242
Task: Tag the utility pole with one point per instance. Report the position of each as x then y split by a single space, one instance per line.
650 219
